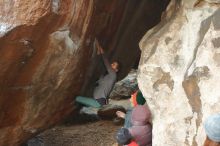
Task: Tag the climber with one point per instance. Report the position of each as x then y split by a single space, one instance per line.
212 129
140 133
105 83
137 98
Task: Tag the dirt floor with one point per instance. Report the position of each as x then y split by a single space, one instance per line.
100 133
88 130
81 130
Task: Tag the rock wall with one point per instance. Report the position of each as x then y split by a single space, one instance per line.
138 17
179 71
45 48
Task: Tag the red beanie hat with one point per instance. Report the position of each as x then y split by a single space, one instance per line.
140 115
133 98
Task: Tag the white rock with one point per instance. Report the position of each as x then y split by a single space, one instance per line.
179 73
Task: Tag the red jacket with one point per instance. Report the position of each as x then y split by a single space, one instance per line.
133 143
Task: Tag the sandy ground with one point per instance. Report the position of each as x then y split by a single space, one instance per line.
100 133
81 130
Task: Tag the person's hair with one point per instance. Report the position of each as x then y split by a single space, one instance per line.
119 65
209 142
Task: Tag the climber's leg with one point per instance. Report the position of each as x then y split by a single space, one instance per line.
91 102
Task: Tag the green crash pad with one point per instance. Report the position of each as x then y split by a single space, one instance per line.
91 102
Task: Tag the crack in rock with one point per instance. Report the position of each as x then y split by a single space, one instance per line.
193 94
205 25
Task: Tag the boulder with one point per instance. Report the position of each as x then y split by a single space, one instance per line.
124 88
108 112
45 48
179 71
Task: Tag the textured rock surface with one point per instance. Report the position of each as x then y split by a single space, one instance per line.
45 48
179 71
44 51
125 87
138 17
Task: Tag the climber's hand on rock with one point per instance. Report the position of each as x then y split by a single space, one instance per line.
97 46
100 49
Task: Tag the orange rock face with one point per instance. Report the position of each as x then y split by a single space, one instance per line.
45 46
46 50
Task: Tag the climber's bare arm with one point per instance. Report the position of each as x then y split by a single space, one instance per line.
100 49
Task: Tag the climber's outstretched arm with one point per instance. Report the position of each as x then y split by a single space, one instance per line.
101 51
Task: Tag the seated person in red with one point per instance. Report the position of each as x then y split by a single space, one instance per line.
141 131
136 99
105 83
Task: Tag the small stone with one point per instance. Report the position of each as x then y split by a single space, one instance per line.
108 112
